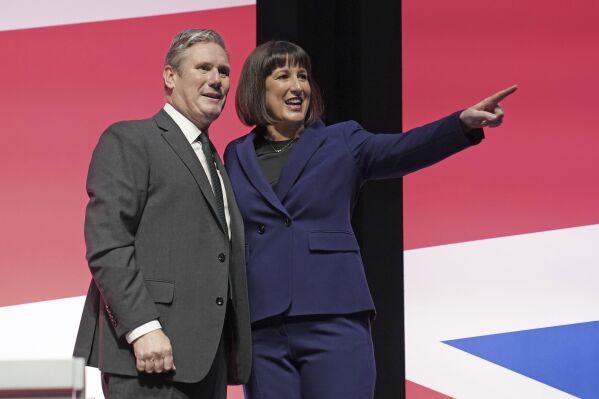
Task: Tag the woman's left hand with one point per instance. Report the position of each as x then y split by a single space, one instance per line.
488 112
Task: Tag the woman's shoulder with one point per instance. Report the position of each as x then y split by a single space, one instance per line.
233 144
240 139
341 128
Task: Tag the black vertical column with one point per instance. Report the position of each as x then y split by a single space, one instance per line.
378 220
355 47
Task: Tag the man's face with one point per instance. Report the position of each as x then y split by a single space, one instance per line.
200 85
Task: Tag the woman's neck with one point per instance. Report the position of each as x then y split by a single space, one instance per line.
282 132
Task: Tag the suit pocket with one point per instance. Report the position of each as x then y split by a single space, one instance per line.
333 241
161 291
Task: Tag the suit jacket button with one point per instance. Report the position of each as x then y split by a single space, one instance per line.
287 222
222 257
220 301
261 229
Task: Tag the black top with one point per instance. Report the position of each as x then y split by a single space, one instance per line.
272 156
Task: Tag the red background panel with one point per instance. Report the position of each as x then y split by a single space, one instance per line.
416 391
539 171
62 86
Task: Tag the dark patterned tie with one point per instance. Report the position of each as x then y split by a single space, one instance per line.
218 192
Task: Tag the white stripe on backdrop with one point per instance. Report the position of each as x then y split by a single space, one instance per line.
25 14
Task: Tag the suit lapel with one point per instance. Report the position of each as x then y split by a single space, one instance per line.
177 141
246 153
310 139
234 215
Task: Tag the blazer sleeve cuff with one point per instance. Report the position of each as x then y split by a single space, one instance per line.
474 136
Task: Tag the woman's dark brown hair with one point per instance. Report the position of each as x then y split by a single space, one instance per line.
250 99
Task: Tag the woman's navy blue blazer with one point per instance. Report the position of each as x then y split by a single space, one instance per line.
302 254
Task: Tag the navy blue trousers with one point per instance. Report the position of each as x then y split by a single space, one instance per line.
312 357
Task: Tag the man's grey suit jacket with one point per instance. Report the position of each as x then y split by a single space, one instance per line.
156 250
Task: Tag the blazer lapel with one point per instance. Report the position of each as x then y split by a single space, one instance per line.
175 138
249 163
310 139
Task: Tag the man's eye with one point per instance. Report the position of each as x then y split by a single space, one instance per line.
224 73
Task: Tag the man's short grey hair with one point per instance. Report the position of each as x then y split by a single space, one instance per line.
188 38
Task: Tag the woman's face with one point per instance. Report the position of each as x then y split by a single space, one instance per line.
288 94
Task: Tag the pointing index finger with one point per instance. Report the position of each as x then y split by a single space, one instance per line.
500 95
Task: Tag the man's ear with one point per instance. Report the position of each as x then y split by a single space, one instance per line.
169 77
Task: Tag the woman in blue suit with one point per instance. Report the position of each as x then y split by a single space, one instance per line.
296 182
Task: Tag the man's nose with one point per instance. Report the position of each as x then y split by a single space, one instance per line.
214 79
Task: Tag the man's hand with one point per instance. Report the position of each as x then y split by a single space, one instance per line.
153 353
488 112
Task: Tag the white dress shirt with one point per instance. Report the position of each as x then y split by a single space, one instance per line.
192 134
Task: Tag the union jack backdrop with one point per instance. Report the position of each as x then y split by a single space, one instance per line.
502 267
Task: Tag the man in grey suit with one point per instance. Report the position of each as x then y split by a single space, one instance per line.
166 313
